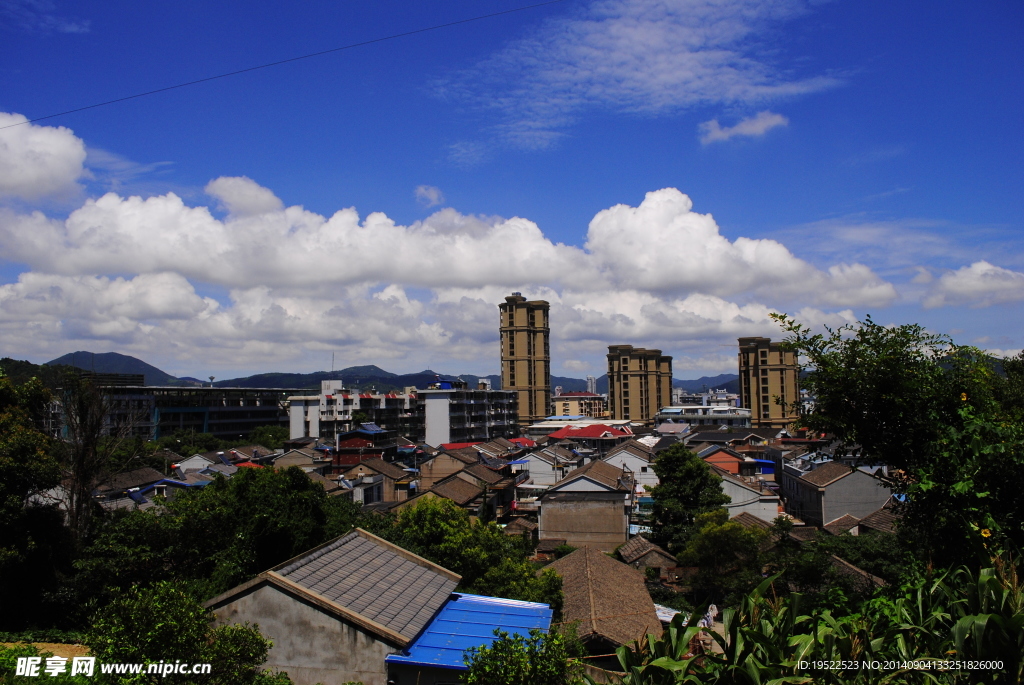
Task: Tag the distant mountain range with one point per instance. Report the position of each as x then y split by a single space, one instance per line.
112 362
362 377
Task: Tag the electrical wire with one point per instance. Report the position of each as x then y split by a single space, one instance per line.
290 59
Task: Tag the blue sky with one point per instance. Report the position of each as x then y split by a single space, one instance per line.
665 173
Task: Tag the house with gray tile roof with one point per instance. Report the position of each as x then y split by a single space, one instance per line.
335 612
831 490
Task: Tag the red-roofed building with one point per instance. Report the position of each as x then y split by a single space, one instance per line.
459 445
597 436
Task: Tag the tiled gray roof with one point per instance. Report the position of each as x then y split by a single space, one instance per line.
882 520
371 578
637 547
130 479
481 472
843 524
458 490
827 473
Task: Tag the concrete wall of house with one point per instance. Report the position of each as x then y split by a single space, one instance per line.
802 499
543 473
583 484
437 469
643 471
195 462
601 524
313 418
857 495
296 419
300 460
311 645
764 506
436 417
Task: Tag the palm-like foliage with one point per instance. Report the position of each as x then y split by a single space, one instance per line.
960 616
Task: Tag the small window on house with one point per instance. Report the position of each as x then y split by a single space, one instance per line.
643 469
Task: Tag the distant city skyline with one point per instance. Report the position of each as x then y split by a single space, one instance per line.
665 174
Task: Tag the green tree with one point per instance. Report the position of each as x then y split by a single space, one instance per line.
543 658
729 555
964 504
891 390
248 523
687 487
490 562
165 624
188 442
33 542
87 447
931 411
271 437
1010 388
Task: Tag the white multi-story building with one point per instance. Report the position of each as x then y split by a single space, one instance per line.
704 415
444 413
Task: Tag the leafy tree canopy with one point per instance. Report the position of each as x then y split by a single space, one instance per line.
164 623
687 489
890 390
216 536
729 555
490 562
540 659
33 543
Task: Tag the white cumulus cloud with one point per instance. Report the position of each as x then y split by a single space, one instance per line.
268 285
980 284
429 196
38 161
751 127
241 196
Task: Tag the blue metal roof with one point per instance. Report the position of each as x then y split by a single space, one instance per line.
469 621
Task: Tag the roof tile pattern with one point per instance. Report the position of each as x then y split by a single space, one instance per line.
373 581
882 520
607 597
637 547
457 489
599 471
843 524
827 473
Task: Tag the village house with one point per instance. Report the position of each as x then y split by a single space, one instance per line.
831 490
749 494
441 465
638 459
336 612
590 506
641 554
396 483
550 464
609 600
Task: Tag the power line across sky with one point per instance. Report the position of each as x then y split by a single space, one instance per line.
319 53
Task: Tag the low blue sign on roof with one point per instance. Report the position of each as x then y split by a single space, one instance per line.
469 621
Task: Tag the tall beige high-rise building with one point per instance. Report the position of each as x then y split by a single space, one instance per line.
526 355
639 382
767 373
